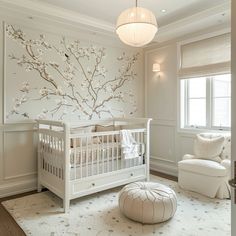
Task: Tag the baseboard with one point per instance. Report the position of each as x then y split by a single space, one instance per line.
14 188
165 168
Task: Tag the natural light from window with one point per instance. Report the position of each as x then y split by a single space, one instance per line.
206 102
221 101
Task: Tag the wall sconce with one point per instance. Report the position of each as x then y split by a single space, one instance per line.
156 67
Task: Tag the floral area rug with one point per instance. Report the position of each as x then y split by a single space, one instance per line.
98 215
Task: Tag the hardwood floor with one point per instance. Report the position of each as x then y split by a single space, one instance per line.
166 176
8 226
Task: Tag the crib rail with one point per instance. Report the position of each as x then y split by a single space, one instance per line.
105 133
51 151
53 157
114 121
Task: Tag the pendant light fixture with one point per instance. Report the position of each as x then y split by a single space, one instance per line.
136 26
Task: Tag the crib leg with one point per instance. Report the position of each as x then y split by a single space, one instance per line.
66 205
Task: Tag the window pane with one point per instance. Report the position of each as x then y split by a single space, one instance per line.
222 86
221 100
221 112
197 88
197 112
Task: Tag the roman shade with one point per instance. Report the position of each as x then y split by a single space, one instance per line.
205 57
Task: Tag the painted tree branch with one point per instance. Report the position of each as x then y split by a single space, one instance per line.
86 92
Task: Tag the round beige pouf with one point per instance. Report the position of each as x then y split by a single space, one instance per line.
147 202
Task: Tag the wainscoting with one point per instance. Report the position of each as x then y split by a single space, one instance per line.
18 158
168 144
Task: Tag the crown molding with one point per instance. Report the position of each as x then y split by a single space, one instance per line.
58 14
199 21
47 12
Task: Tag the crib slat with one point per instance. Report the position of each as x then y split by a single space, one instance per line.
51 153
87 173
97 156
58 156
54 155
112 153
102 150
75 156
117 151
107 150
92 158
81 157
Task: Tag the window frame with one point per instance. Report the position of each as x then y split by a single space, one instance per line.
209 107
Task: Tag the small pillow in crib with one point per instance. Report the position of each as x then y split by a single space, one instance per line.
101 128
82 130
85 129
208 148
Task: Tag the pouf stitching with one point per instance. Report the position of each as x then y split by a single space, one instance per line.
147 193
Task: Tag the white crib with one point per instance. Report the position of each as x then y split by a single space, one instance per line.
74 163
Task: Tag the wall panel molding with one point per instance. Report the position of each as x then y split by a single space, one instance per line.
162 159
18 127
21 176
163 142
19 154
12 188
163 122
167 168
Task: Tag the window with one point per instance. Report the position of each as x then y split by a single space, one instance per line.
204 72
206 102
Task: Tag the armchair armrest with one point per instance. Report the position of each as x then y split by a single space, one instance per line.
226 163
188 157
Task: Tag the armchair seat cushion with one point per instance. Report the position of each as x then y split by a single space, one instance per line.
203 167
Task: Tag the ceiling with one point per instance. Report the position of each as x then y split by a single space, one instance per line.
108 10
182 17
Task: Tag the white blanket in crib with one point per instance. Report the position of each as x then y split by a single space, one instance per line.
130 148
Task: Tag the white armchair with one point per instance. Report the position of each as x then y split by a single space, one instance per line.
208 170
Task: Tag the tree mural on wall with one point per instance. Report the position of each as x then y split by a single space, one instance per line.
78 84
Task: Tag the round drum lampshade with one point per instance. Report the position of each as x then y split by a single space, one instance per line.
136 26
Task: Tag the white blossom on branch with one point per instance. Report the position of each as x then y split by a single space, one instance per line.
77 81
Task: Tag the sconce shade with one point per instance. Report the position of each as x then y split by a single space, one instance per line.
156 67
136 26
